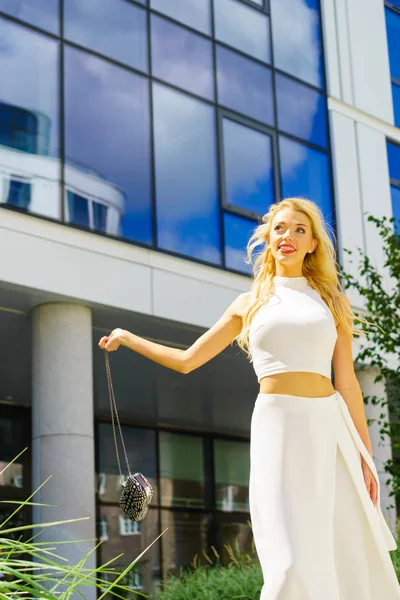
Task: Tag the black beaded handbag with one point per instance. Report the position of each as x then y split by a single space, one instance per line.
137 492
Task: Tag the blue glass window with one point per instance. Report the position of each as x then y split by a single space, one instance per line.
395 3
107 141
306 172
393 151
29 117
181 57
19 193
301 110
244 86
78 209
99 216
243 28
188 219
194 13
396 103
115 28
42 13
297 39
248 167
393 35
237 232
396 207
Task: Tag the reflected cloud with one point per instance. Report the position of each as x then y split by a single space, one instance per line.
242 27
248 165
195 13
301 110
186 177
115 28
297 39
181 57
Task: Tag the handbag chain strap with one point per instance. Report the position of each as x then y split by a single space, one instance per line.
113 406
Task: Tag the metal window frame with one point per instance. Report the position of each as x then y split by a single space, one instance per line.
154 244
266 130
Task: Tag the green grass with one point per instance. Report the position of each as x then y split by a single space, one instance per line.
32 569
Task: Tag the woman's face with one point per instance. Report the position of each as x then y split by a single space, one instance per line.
290 238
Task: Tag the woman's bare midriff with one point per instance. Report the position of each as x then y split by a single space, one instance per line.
309 385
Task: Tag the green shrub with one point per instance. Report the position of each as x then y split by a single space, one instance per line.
240 579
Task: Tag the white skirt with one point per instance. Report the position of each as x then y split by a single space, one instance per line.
317 533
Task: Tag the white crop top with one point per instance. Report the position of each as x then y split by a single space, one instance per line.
293 331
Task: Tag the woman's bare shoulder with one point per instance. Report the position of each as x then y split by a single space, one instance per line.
240 304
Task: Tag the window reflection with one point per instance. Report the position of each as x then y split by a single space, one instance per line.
395 192
107 146
186 536
396 103
393 37
243 28
140 448
306 172
181 57
125 537
297 39
244 86
393 152
181 470
301 110
195 13
29 131
237 231
186 175
248 167
11 443
232 472
235 532
115 28
42 13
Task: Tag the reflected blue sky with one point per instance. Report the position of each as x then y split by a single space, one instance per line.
301 110
237 231
186 175
34 58
297 39
245 86
305 172
243 28
195 13
393 35
107 130
395 191
396 103
393 151
248 167
181 57
115 28
42 13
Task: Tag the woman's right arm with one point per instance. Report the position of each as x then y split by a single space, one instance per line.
211 343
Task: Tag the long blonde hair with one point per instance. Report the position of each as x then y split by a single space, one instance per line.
320 268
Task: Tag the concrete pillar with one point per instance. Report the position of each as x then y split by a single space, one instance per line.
382 449
62 427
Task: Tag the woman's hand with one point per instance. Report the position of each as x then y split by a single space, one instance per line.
370 482
113 341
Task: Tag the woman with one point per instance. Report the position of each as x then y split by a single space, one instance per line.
314 489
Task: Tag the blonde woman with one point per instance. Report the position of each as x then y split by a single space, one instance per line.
314 488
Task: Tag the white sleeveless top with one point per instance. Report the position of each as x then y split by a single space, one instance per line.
293 331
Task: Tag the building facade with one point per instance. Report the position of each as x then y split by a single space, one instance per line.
140 143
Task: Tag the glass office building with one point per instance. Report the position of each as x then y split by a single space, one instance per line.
141 141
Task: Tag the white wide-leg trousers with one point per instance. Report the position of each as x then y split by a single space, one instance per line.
317 533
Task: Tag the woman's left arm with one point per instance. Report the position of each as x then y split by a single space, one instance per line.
346 383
